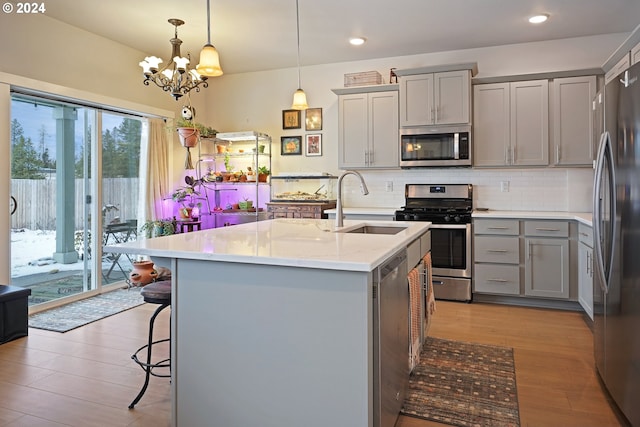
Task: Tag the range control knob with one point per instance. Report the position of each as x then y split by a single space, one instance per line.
456 218
447 218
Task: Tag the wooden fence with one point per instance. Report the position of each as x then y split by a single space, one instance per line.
37 201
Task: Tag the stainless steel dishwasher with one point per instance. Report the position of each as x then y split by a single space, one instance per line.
390 339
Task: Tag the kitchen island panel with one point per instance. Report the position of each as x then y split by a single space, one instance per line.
272 345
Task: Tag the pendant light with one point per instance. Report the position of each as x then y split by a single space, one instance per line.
209 65
299 97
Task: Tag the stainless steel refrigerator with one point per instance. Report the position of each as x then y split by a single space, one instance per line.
616 222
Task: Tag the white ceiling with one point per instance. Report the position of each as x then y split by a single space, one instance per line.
254 35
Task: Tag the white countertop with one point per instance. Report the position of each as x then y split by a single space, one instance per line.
310 243
365 211
582 217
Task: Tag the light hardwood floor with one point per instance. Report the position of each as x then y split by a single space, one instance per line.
86 377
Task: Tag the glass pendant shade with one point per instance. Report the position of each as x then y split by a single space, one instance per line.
209 65
299 100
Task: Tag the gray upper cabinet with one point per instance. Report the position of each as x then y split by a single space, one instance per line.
573 139
368 128
491 130
511 124
442 98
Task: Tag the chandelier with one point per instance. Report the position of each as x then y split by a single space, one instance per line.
176 77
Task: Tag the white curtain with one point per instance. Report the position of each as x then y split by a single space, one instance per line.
154 171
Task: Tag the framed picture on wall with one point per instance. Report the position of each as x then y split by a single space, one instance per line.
291 119
313 119
290 145
313 144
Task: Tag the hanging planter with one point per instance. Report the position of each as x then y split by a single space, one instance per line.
190 132
188 136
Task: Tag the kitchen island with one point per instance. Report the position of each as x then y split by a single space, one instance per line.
273 322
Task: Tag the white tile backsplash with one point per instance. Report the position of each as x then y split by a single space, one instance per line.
544 189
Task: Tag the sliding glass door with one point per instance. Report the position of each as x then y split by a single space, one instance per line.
74 176
120 171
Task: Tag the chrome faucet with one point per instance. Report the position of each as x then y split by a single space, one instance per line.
363 187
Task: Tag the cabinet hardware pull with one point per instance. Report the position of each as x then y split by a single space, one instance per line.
557 154
437 282
498 228
497 280
584 234
547 229
497 250
588 264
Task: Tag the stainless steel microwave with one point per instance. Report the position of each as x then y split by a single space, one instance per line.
435 146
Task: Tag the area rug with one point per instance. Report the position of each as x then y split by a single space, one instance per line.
464 384
80 313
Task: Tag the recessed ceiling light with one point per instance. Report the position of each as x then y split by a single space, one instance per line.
357 41
539 19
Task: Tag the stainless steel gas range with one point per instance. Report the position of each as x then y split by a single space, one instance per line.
449 208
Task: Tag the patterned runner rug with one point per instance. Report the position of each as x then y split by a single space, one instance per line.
464 384
80 313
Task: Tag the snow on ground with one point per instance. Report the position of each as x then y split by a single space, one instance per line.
32 251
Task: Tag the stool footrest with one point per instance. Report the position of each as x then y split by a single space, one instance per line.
165 363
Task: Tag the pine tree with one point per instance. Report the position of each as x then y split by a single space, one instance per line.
25 163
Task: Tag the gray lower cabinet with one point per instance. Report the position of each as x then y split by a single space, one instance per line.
547 268
523 258
546 259
585 268
496 249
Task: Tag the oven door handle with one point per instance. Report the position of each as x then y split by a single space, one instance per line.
449 226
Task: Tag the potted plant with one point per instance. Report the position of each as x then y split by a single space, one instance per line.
245 204
189 131
159 227
263 173
187 196
251 175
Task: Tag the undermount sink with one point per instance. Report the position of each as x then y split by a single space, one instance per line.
374 229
